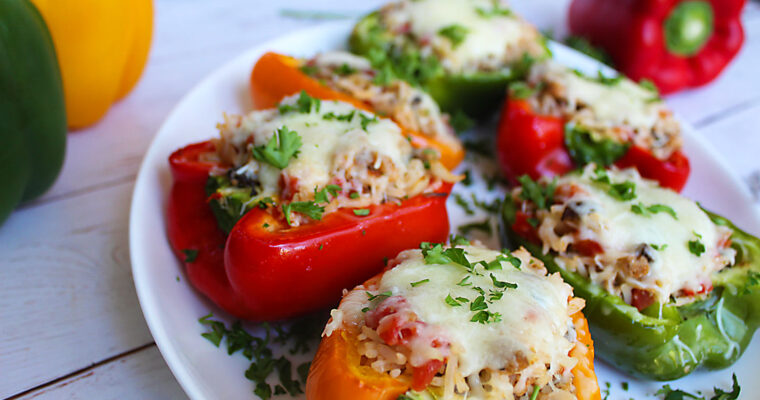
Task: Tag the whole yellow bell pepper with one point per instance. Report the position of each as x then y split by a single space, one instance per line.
102 48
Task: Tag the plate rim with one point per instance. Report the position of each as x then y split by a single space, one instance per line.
147 299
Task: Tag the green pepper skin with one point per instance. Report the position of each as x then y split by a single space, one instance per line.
477 95
32 110
686 337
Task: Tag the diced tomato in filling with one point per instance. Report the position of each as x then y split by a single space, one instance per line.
289 186
588 248
641 299
703 288
523 228
397 324
423 375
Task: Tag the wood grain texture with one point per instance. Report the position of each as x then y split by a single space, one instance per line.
68 299
142 374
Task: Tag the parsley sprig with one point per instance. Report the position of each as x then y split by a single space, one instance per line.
280 148
455 33
541 195
647 211
298 337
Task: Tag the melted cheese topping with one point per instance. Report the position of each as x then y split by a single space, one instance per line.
534 315
620 103
489 42
332 152
622 233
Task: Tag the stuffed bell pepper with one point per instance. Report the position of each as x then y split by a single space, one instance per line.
457 322
668 286
463 52
560 119
293 204
346 77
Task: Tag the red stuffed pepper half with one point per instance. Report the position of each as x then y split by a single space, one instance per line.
343 76
560 119
291 205
460 322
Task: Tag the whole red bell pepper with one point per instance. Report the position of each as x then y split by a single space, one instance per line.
267 270
674 43
534 144
276 76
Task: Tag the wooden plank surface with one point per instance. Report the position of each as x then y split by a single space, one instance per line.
68 299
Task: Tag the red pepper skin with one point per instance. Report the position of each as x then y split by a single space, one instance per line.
276 272
632 33
533 144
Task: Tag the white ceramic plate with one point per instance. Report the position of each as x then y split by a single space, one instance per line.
172 307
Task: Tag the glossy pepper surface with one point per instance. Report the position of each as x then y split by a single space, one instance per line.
336 373
32 111
669 342
276 76
534 144
266 270
475 94
677 44
102 49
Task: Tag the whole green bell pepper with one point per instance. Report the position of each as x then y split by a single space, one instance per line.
32 111
668 344
475 94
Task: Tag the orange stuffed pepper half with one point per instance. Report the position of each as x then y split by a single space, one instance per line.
457 322
350 78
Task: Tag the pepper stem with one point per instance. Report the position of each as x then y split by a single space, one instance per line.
688 27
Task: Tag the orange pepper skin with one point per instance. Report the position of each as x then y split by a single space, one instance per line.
335 373
102 48
584 377
276 76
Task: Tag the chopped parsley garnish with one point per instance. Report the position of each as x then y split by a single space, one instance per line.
305 104
478 304
541 196
623 190
455 33
457 240
381 296
365 121
495 11
467 181
658 247
464 204
534 395
362 212
486 317
354 195
669 393
345 69
321 196
420 282
608 81
300 335
624 385
483 226
465 281
280 148
585 47
455 302
491 208
461 122
434 253
310 70
309 208
649 85
502 284
585 147
696 247
520 90
347 117
641 209
190 255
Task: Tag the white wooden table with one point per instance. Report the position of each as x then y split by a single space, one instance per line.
70 323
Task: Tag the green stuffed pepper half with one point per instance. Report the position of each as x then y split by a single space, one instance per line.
463 52
669 287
